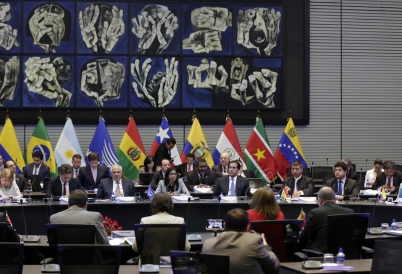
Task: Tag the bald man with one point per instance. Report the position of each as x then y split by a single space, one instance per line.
222 169
121 187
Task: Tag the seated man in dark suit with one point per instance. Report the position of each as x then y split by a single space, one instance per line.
341 184
38 167
12 235
222 169
317 219
90 176
185 168
390 179
244 172
231 185
160 175
200 176
18 178
64 184
298 184
121 187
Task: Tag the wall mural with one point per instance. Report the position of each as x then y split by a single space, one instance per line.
140 55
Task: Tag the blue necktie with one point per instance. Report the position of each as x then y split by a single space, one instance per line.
232 188
339 187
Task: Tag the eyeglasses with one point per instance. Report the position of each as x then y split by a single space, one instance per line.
172 174
116 172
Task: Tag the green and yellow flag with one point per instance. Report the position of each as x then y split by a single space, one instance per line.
131 152
40 141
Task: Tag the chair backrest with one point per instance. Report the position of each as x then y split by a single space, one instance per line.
11 258
279 234
88 259
326 176
194 262
3 231
347 231
387 257
316 171
155 240
69 234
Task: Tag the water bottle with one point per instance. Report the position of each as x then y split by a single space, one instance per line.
113 198
221 195
394 225
367 184
379 191
340 257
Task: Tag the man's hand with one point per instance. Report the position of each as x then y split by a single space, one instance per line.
87 20
340 197
297 194
263 239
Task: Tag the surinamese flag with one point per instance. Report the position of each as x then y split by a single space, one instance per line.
163 134
197 145
289 150
131 152
67 145
228 142
9 146
40 141
102 144
258 154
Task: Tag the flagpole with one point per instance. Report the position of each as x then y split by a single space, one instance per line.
40 114
227 115
68 114
194 116
8 117
131 114
289 115
163 113
100 114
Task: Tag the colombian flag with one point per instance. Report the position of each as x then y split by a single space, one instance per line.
383 195
9 146
289 150
40 141
131 152
197 145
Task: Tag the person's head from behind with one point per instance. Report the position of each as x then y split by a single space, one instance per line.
149 163
236 220
324 195
161 202
7 177
78 198
265 203
378 165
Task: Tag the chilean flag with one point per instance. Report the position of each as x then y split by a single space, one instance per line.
228 142
163 134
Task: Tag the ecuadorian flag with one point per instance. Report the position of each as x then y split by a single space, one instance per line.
197 145
289 150
9 146
40 141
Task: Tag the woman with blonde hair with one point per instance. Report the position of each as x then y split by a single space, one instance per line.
8 187
264 206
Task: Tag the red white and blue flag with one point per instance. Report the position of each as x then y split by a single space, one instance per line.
228 142
163 134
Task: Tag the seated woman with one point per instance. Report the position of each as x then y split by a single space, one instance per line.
264 206
171 184
8 187
149 165
162 207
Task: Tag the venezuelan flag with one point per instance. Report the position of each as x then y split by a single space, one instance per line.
9 146
197 145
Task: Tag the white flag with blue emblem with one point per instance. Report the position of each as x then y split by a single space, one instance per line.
67 145
150 192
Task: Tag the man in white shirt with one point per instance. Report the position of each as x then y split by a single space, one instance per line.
298 185
121 187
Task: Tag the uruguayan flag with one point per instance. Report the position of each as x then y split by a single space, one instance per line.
102 145
67 145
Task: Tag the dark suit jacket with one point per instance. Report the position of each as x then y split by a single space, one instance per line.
55 188
353 175
12 235
44 171
105 188
317 225
182 169
222 185
160 153
156 178
382 180
86 178
249 173
218 170
192 179
306 184
350 188
21 181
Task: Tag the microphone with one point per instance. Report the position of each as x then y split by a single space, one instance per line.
312 170
327 161
219 205
28 239
48 268
360 177
376 230
191 237
366 164
47 212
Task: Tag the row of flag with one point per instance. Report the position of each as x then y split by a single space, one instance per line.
257 155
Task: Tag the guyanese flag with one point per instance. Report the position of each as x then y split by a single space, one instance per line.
258 154
131 152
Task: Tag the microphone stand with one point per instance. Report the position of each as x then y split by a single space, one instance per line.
28 239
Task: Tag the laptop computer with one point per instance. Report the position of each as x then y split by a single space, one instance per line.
194 262
255 182
145 178
36 183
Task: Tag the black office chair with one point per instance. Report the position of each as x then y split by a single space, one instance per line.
387 257
316 171
344 230
326 176
69 234
279 234
193 262
398 167
3 232
89 259
8 234
155 240
11 258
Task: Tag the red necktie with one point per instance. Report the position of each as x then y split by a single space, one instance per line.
188 168
64 189
389 182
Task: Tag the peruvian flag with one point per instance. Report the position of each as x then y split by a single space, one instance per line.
163 134
228 142
258 154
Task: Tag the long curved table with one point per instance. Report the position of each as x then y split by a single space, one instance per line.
195 213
